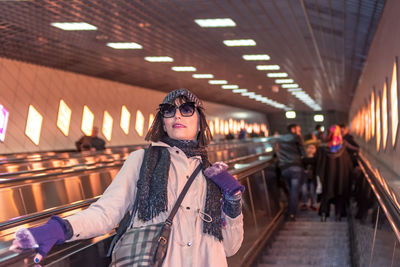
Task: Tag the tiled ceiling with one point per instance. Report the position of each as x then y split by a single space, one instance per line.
321 44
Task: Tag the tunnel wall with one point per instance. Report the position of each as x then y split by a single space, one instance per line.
23 84
379 67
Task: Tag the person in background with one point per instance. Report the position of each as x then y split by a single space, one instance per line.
92 143
309 186
318 132
335 140
290 151
229 136
208 226
242 134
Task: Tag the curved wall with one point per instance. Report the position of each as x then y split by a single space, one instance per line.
23 84
378 69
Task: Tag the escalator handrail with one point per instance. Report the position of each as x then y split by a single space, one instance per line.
383 193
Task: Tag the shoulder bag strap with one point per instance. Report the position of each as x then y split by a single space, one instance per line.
182 194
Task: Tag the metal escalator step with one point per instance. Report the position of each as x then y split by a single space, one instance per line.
310 245
332 251
312 232
317 261
286 265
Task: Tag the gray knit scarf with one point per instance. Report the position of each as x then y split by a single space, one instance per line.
153 180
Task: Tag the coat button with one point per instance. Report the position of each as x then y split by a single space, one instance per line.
177 152
187 176
189 244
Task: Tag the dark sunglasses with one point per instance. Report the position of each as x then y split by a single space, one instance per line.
186 109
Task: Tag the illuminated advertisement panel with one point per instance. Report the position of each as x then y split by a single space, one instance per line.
378 123
373 113
216 124
384 116
394 103
107 125
151 119
4 114
33 125
211 126
64 117
87 121
125 119
139 125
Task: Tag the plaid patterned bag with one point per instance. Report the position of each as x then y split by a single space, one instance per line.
141 246
147 245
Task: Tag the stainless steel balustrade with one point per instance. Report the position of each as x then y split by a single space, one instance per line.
378 236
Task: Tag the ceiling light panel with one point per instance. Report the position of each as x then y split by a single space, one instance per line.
237 91
159 59
240 42
279 81
213 23
277 75
268 67
256 57
126 45
74 26
217 82
230 86
292 85
183 68
203 76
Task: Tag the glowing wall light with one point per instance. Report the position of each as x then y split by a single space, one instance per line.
226 127
290 114
318 118
373 113
125 119
230 125
221 126
87 121
4 114
139 125
378 123
216 124
33 125
211 126
107 125
151 119
64 117
384 116
394 103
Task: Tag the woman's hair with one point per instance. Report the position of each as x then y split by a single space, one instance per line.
156 132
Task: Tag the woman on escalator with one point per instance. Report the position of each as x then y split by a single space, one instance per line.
208 225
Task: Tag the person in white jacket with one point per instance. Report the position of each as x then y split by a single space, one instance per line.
205 229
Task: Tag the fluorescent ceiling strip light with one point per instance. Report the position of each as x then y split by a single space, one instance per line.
268 67
159 59
256 57
241 42
217 82
277 75
236 91
203 76
125 45
248 94
293 85
212 23
279 81
183 68
74 26
230 86
295 89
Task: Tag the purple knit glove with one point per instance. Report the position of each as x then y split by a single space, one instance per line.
43 237
218 174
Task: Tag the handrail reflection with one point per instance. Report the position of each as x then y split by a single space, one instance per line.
385 195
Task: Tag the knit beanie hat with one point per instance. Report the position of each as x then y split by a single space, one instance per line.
170 98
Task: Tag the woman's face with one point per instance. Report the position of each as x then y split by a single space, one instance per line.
182 128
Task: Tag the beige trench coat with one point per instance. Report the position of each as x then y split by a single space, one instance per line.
188 245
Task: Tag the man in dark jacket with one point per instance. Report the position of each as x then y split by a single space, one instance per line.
290 151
